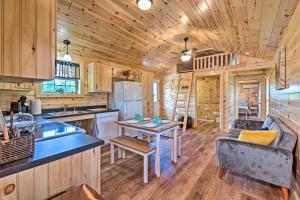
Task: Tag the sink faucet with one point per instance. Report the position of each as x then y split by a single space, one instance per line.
66 107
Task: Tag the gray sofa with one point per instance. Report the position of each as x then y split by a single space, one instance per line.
272 164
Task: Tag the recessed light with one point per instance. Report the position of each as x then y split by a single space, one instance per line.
144 4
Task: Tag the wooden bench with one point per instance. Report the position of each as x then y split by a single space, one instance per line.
137 146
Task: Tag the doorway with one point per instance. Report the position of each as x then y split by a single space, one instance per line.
156 99
208 99
249 99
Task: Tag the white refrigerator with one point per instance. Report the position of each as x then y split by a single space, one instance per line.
128 99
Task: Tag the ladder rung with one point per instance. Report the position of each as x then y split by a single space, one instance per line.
181 106
184 86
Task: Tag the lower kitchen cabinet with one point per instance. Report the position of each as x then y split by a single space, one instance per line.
105 126
46 180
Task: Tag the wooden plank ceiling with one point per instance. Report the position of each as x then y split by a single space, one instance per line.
117 30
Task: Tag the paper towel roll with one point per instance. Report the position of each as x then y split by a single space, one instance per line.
35 107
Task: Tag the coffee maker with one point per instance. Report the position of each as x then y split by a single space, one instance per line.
20 106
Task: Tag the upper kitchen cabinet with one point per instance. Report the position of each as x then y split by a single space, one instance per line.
28 39
99 78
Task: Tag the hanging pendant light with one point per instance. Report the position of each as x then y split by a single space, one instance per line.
67 57
144 4
186 54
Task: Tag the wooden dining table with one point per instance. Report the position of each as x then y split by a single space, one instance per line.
157 132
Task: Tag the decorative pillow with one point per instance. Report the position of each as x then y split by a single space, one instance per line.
275 126
268 122
261 129
258 137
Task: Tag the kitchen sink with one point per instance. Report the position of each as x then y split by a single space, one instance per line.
62 113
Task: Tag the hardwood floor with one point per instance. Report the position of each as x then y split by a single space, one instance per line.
194 177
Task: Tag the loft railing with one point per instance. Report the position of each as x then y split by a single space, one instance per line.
215 61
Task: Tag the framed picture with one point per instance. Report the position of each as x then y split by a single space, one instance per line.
280 70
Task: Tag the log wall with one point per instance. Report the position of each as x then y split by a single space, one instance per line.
285 103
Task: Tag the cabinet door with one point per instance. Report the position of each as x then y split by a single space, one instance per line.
45 41
97 77
11 37
8 187
28 35
106 79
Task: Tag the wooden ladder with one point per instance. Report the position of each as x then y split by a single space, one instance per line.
184 88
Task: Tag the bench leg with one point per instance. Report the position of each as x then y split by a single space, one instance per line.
112 153
145 169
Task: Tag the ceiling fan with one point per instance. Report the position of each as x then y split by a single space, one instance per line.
186 54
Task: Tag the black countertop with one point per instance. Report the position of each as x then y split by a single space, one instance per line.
53 149
45 113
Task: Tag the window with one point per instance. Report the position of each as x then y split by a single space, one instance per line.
67 79
155 92
61 86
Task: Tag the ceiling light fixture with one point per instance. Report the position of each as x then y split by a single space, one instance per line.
144 4
186 54
67 57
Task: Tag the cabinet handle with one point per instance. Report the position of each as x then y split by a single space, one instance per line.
9 189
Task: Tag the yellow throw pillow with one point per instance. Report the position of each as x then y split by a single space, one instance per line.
258 137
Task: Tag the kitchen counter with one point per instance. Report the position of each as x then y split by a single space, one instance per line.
50 150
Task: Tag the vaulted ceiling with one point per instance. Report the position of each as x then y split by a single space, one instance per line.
117 30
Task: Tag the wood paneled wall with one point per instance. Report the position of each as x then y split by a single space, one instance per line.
286 103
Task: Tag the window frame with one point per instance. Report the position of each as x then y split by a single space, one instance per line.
39 93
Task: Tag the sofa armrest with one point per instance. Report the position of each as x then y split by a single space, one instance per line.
246 124
266 163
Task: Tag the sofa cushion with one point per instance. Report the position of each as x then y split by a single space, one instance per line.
258 137
268 122
275 126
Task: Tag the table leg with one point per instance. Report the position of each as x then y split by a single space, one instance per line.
175 145
157 156
112 153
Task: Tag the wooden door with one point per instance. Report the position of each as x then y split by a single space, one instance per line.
150 88
1 34
28 36
11 37
145 82
46 38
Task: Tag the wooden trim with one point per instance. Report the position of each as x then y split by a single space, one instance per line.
73 118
